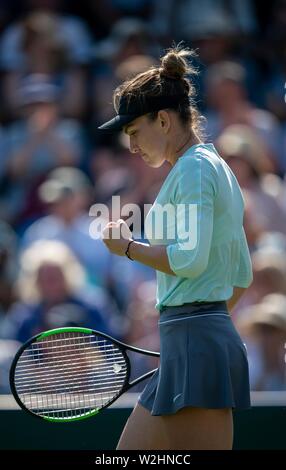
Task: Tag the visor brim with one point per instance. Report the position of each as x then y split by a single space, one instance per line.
118 122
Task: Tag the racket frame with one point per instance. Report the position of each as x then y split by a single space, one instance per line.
122 346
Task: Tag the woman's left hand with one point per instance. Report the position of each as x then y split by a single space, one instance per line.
116 236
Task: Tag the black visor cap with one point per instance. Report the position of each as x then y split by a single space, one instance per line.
130 109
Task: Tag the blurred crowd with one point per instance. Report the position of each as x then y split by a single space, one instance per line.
59 64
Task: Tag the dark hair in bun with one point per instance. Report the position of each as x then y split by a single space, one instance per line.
175 65
170 78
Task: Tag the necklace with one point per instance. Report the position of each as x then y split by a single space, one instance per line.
179 149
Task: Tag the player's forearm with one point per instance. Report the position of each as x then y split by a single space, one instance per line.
153 256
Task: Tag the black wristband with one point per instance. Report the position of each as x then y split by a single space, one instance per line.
127 250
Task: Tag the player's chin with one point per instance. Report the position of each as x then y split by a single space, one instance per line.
155 163
158 165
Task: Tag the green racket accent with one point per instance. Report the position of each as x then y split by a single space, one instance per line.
69 374
68 420
64 330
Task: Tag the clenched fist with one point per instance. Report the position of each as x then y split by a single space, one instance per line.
116 236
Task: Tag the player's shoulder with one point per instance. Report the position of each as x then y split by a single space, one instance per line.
201 156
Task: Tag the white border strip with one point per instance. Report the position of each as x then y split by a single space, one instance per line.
199 315
128 400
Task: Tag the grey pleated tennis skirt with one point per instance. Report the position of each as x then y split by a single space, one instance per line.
203 361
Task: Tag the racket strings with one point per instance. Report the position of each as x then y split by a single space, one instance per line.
69 375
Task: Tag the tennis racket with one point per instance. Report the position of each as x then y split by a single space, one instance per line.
69 374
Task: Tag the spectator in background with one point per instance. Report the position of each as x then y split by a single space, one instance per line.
229 104
5 13
106 13
142 327
218 29
263 326
8 273
67 194
3 157
51 289
269 274
142 318
185 19
35 144
8 268
8 349
254 222
129 38
275 86
245 154
276 48
47 43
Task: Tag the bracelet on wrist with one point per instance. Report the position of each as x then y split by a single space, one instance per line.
127 250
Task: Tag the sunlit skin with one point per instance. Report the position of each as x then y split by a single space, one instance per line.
52 284
164 139
168 138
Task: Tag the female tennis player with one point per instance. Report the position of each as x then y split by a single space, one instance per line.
203 373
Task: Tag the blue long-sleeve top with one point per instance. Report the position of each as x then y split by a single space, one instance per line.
198 215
